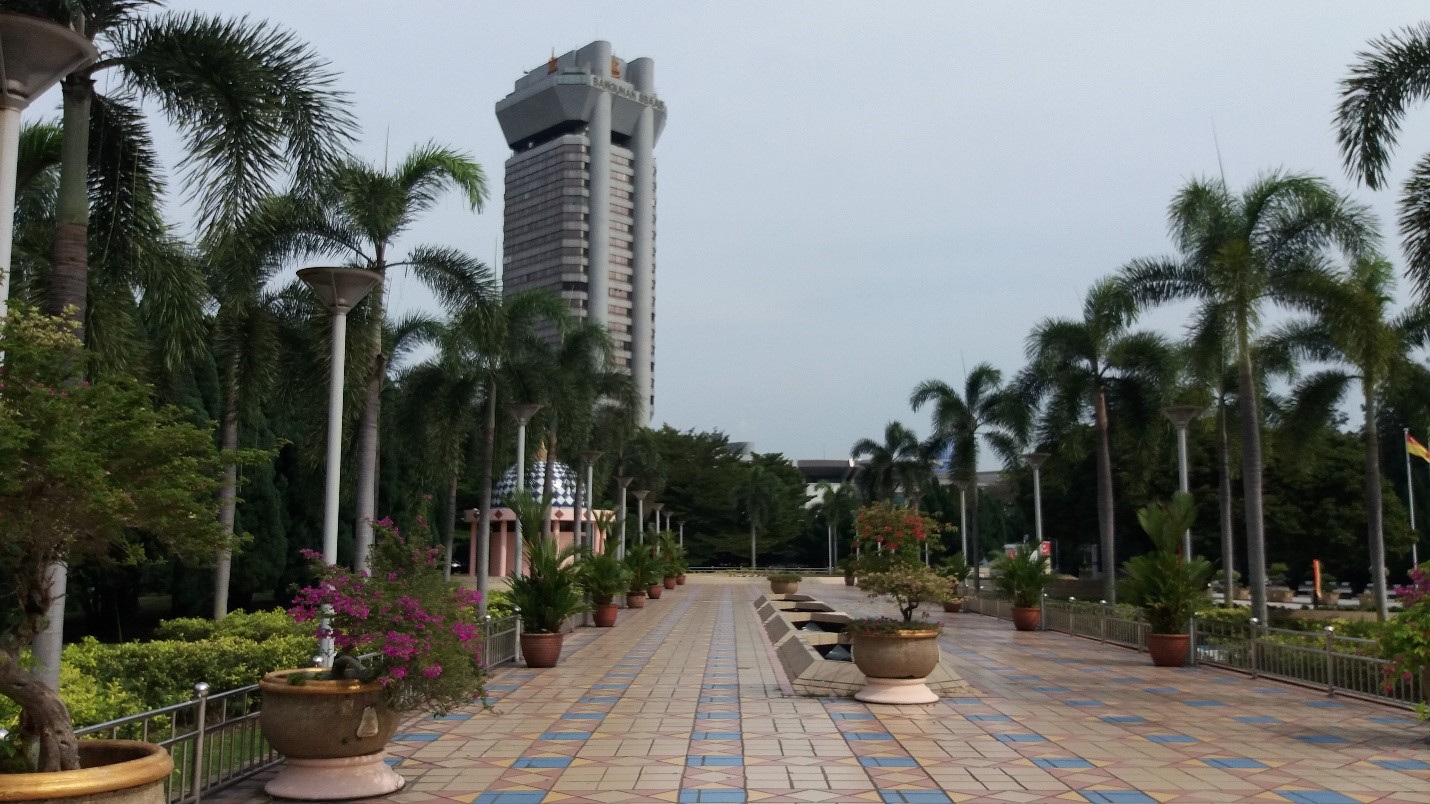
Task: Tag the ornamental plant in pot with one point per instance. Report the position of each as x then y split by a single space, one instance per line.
549 592
1405 639
1021 578
896 656
89 471
638 563
669 554
420 645
1168 587
603 576
955 569
784 583
848 566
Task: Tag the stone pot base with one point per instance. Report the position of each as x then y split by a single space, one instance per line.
896 691
334 779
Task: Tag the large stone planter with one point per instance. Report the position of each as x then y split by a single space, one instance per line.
953 607
541 650
111 772
1027 618
332 735
784 587
1280 594
896 666
1168 650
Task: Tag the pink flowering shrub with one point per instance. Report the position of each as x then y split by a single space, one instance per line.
421 628
1405 639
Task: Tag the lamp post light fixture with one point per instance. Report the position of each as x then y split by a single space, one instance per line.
1180 416
339 290
624 481
640 495
657 508
1035 460
522 412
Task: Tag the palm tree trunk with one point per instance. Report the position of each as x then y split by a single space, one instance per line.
973 533
484 516
753 564
369 427
228 492
69 282
1104 496
548 480
1374 512
1228 535
449 525
1251 478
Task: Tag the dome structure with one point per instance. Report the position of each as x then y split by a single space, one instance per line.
563 483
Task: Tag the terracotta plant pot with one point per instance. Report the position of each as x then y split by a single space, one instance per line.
541 650
680 579
669 582
111 771
848 580
654 591
332 734
784 587
635 600
896 665
1027 618
604 614
1168 650
954 607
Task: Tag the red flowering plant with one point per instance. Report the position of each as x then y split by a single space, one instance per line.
400 624
1405 639
889 534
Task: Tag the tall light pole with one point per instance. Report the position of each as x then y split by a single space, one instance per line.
640 495
1035 460
1180 416
656 508
624 481
522 412
590 456
962 486
339 289
682 534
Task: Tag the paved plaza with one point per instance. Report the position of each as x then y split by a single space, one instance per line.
684 702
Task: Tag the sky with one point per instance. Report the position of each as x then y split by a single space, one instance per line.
855 197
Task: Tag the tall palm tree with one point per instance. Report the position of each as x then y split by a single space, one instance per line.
757 499
1239 255
890 464
839 504
359 217
1372 347
1080 364
1386 79
985 410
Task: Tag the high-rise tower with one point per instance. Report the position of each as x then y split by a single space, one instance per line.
579 219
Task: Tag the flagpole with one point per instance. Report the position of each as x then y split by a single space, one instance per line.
1410 496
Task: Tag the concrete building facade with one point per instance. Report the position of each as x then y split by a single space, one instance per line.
579 217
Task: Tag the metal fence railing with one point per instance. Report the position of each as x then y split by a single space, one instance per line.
214 738
1339 665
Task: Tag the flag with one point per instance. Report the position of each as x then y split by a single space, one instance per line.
1415 448
1316 576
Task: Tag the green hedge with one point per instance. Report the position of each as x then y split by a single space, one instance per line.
257 625
164 671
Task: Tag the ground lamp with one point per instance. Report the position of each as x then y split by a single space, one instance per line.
1180 416
624 481
1035 460
522 412
640 495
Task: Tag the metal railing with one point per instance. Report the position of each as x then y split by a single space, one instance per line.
215 738
1340 665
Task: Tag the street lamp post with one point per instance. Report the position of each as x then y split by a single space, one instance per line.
624 481
339 289
1180 416
682 534
640 495
590 456
522 412
656 508
1035 460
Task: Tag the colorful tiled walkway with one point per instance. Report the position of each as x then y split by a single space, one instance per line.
682 702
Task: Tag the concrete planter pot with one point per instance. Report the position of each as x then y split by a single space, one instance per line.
954 607
896 666
604 614
1168 650
1027 618
1279 594
541 650
635 600
784 587
331 733
111 771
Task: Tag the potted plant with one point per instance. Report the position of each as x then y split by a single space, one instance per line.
638 561
784 583
419 635
669 553
896 656
955 569
848 566
1280 591
1021 577
1168 587
85 468
603 576
1405 639
549 592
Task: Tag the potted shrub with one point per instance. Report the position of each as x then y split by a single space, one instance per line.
1405 639
1330 591
549 592
1021 578
1280 591
896 656
638 562
420 634
1168 588
85 470
669 558
784 583
848 566
955 569
603 576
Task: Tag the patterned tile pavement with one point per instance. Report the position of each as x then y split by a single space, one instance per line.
683 702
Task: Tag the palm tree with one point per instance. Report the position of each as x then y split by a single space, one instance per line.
1080 364
1384 81
358 217
1357 330
757 498
838 504
986 409
1240 254
890 464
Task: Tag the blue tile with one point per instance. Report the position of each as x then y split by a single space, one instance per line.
1321 739
1126 680
565 735
511 797
720 686
1271 691
699 796
415 737
868 735
1024 678
717 715
523 675
712 760
715 735
453 716
1053 688
1160 689
1315 797
719 699
1402 764
1117 797
1123 719
1234 762
1260 719
610 686
1204 702
1171 738
543 762
1084 702
503 686
1067 764
1393 721
965 701
392 762
851 716
988 718
914 797
1020 738
622 675
1326 704
599 699
888 762
582 716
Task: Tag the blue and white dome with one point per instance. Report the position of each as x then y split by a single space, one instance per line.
563 483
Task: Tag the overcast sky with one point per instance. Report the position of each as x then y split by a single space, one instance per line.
853 196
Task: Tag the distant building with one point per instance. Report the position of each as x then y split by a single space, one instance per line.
579 215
